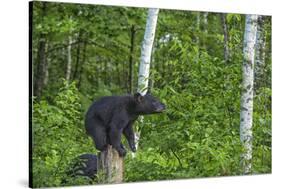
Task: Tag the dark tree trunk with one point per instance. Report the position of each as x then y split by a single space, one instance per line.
205 29
41 60
75 71
47 62
260 53
163 65
82 64
124 78
225 35
105 79
118 74
110 72
131 60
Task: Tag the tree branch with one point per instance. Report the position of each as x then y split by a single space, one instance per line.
177 157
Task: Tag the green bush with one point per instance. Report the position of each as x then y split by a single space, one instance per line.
58 136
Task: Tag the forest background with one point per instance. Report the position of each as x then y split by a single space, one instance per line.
83 52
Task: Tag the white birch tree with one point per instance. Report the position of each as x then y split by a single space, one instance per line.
68 68
146 51
246 113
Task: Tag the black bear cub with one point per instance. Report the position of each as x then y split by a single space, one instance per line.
84 165
110 116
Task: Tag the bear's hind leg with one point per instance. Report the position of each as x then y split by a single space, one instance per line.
98 133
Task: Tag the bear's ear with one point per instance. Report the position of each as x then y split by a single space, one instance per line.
138 97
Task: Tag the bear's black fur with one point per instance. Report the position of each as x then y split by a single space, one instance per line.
110 116
84 165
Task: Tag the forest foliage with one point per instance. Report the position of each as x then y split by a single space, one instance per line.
198 135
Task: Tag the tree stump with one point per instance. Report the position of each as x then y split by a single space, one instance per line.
111 165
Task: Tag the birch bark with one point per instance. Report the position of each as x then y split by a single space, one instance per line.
146 51
68 68
246 114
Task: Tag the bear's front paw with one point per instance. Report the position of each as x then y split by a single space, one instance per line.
133 148
122 152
